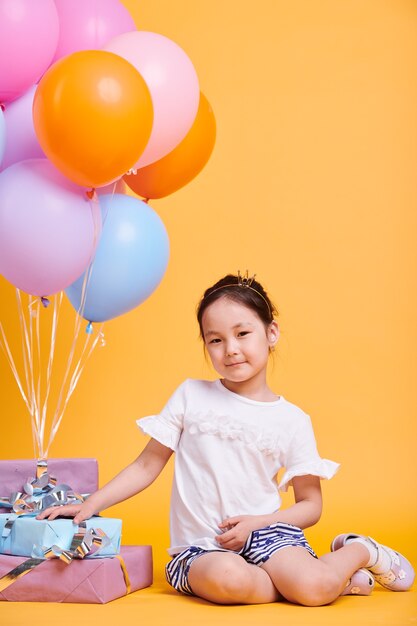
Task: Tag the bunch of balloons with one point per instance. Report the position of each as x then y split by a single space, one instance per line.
89 105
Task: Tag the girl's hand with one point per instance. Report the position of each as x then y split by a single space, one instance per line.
79 512
237 530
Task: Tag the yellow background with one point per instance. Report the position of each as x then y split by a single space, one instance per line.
312 185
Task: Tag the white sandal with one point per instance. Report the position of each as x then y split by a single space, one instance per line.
399 577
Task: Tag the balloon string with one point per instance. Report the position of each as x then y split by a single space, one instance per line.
78 370
55 317
114 189
31 353
28 355
77 327
25 395
24 354
97 225
74 381
26 344
39 381
62 402
35 373
58 413
6 349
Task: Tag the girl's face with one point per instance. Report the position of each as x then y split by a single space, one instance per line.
237 341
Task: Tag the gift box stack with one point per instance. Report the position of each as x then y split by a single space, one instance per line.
56 561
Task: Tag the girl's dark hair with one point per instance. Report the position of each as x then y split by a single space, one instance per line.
248 292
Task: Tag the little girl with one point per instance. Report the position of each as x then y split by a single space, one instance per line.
230 541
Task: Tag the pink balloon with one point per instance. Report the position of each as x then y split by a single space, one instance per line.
28 38
90 24
48 228
21 140
173 83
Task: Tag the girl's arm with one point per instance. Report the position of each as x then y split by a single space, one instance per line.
304 513
133 479
308 503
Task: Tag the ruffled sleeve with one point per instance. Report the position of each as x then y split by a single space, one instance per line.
168 425
302 457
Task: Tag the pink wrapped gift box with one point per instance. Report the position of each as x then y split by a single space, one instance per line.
80 474
84 581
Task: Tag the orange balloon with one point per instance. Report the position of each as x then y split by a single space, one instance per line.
93 116
180 166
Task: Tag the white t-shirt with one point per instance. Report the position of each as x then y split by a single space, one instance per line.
229 450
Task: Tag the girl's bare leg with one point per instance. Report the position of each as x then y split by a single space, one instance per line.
302 579
226 578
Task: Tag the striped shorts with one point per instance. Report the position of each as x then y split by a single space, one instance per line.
259 547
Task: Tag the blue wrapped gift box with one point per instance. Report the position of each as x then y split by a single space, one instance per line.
27 532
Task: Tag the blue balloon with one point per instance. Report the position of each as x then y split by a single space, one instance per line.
2 135
130 261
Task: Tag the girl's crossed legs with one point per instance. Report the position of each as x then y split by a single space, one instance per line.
292 574
277 563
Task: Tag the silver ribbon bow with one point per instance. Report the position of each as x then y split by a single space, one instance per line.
39 493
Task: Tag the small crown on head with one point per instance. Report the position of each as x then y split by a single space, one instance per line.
245 281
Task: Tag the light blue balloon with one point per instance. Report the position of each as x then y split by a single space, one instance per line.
2 135
130 261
